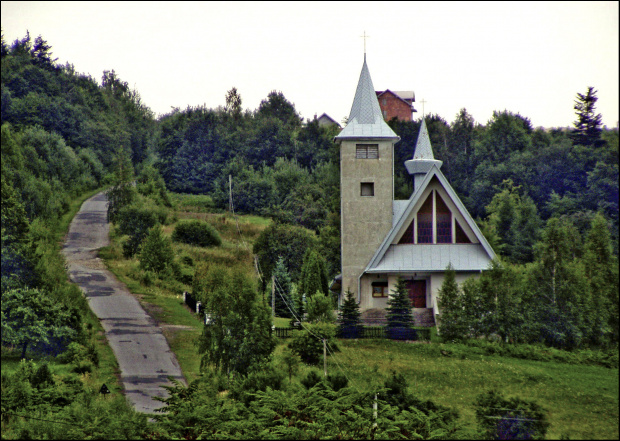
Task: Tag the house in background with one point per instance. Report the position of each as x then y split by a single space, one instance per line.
397 105
382 239
326 120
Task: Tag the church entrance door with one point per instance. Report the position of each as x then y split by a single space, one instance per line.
417 293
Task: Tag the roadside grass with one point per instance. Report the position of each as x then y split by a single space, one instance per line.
161 295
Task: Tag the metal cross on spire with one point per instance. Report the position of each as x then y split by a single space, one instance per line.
364 37
423 101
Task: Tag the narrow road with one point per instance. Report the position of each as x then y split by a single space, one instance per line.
142 352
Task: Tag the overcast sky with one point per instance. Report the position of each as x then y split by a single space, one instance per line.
530 58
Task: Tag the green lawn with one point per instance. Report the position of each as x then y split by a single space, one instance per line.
582 400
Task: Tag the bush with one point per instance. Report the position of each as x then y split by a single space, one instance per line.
195 232
514 418
260 378
308 343
156 254
135 222
311 379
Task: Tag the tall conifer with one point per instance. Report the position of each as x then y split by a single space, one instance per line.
399 317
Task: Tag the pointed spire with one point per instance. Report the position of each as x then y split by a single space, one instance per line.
423 149
366 119
423 159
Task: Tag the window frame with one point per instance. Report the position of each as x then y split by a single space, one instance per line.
366 151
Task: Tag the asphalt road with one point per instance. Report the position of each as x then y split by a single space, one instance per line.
142 352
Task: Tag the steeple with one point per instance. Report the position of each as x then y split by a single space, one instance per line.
366 120
423 158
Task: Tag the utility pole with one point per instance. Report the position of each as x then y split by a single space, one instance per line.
324 358
273 295
230 200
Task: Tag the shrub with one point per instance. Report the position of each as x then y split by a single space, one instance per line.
261 377
195 232
320 308
135 222
311 379
514 418
308 343
156 254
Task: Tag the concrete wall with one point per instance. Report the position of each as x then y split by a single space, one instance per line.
365 220
433 285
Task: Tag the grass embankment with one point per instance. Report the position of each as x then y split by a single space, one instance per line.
162 297
582 400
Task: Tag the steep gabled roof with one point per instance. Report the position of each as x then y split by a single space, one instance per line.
466 257
366 120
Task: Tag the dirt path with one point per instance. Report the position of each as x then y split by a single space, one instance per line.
142 352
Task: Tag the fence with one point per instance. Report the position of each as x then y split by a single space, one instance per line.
369 332
361 332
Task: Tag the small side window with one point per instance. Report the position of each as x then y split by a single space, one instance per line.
368 189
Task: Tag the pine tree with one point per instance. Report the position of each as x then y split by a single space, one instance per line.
399 317
349 317
313 278
587 129
450 300
283 299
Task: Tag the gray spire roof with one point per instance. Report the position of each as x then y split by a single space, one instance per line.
365 119
423 158
423 149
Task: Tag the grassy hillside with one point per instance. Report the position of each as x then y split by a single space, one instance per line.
581 400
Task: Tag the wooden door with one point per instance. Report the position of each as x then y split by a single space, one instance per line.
417 293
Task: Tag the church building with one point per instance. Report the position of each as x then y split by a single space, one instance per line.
383 239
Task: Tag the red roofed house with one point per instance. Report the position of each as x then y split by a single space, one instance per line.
396 104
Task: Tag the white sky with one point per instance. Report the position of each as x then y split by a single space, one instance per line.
530 58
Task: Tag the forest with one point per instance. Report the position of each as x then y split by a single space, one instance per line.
545 198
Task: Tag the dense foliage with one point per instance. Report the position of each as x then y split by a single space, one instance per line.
61 133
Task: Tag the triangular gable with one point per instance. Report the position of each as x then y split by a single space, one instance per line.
401 223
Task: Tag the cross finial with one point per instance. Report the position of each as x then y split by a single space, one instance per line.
364 37
423 101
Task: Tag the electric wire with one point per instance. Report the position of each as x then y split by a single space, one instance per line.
278 288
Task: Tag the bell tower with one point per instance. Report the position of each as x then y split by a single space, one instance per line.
366 182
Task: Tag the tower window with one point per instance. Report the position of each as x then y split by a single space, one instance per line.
368 189
367 151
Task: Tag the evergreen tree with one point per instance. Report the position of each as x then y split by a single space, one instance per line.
349 317
452 325
399 316
283 299
587 129
313 278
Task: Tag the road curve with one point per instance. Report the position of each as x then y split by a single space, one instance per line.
142 352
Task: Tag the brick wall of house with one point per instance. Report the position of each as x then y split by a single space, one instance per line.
392 106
